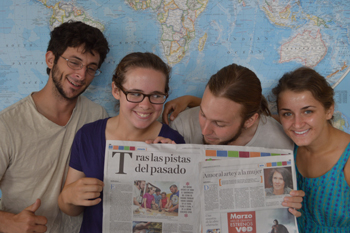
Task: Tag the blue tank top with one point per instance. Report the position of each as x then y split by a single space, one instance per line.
326 205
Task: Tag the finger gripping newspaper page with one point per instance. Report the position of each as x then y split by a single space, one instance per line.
192 188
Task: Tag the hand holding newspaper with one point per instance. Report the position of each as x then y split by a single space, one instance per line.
173 188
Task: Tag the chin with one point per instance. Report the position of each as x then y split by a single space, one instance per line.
299 142
143 125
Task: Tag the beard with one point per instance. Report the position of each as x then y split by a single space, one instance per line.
232 139
57 77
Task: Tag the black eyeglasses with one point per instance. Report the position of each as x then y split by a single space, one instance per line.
138 97
76 64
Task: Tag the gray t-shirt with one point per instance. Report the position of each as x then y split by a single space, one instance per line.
269 133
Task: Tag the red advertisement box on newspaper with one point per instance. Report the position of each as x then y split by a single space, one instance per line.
241 222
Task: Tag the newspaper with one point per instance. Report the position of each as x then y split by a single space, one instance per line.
245 195
135 170
128 165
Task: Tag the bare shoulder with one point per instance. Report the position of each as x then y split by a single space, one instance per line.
343 138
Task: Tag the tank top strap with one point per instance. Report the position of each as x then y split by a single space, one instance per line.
341 162
343 159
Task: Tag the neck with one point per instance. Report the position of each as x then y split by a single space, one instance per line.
53 106
118 129
278 192
246 135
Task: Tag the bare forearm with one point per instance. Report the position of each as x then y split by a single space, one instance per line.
5 221
67 207
136 202
193 101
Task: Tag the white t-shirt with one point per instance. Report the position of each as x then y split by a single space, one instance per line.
269 133
34 157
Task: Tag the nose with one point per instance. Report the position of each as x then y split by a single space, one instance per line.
298 121
206 129
81 73
145 103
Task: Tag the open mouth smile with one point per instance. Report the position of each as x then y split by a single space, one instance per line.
143 115
74 84
301 132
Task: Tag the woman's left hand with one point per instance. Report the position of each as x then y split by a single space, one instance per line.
294 202
160 140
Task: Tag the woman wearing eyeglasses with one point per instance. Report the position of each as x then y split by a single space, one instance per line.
141 85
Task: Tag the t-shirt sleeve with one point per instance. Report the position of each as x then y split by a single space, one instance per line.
104 113
177 125
168 132
5 143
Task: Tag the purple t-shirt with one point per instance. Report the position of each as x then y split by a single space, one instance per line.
88 156
149 200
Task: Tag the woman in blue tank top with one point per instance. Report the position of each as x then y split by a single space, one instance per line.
305 107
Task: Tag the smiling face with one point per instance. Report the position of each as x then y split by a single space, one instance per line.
71 83
304 119
144 80
220 119
278 182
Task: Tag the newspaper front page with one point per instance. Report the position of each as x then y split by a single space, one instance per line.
245 195
136 172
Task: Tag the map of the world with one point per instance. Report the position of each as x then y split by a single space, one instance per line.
196 37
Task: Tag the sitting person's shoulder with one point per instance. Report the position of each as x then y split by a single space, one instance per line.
189 113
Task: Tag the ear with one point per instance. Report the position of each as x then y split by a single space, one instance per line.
330 112
248 123
50 59
115 91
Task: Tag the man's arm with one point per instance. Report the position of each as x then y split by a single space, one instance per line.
178 105
144 202
78 192
25 221
174 208
136 202
167 205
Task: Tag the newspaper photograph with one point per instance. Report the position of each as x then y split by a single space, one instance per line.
245 195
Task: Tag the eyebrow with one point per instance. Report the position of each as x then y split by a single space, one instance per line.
78 58
220 121
303 108
201 110
141 91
